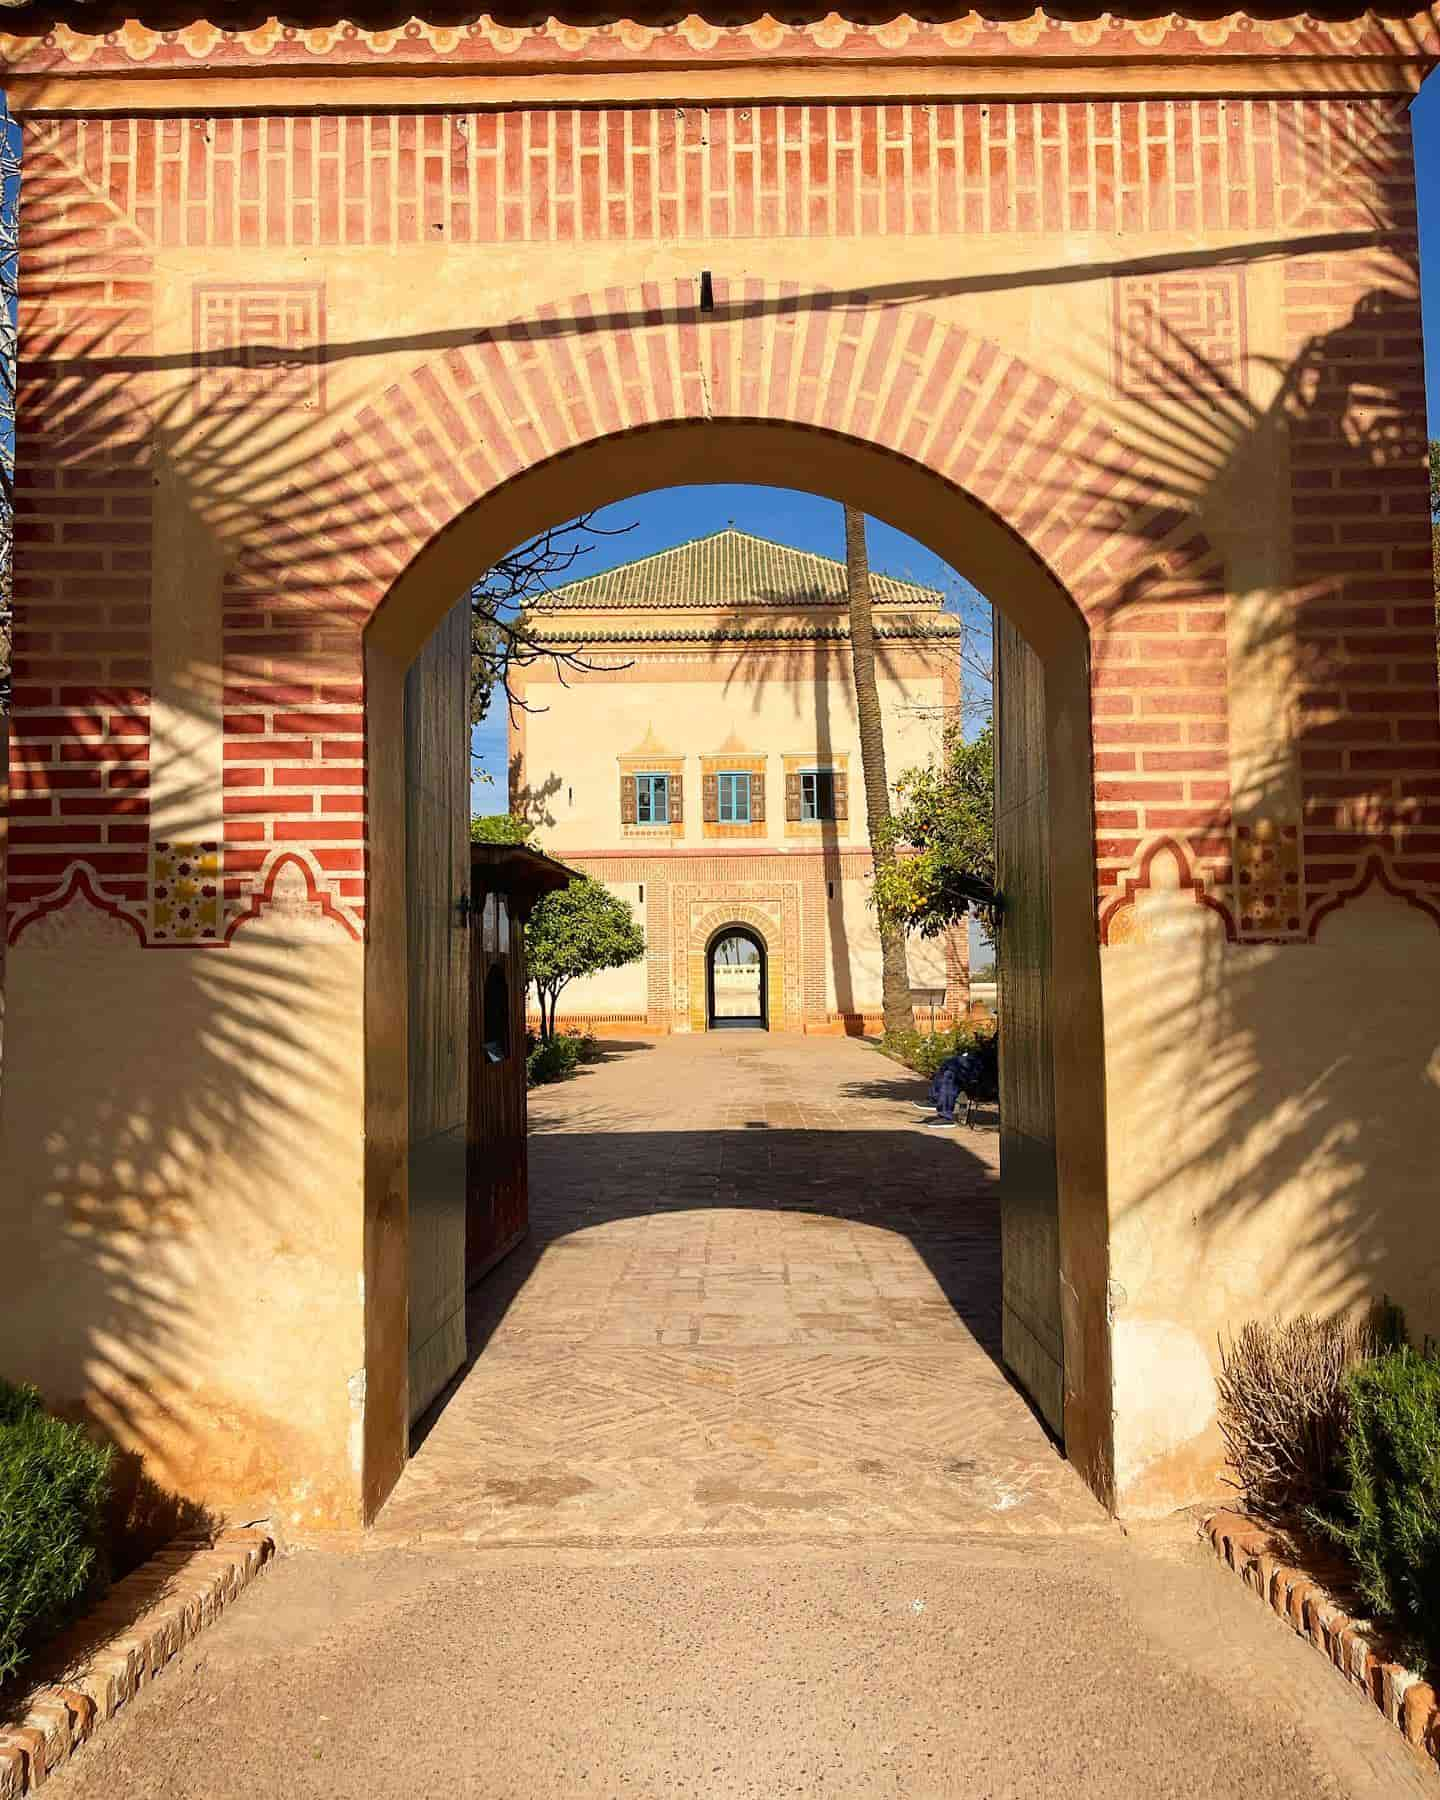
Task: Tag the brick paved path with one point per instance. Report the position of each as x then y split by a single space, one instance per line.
760 1300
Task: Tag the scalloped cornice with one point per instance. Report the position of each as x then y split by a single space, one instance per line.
40 40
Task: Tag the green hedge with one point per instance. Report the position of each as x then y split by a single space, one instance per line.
551 1059
53 1485
1387 1512
925 1051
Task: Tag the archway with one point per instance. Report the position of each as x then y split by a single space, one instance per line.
736 980
1060 1171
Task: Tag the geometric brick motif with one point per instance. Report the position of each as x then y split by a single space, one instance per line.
266 341
1267 879
1174 330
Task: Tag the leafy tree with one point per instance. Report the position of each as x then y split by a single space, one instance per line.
895 999
577 931
500 828
946 814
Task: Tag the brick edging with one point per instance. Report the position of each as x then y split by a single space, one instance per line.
1307 1606
89 1673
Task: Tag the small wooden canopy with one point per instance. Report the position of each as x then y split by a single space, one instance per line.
522 875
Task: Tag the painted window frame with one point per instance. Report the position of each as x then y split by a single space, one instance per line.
739 786
816 817
647 783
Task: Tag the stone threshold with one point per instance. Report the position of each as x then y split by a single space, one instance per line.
1311 1599
89 1672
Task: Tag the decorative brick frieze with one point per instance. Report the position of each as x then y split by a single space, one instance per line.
572 175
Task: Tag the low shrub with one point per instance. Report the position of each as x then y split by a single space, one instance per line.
54 1480
1386 1515
925 1051
1283 1405
551 1059
587 1046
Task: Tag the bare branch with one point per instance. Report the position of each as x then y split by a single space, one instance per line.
501 642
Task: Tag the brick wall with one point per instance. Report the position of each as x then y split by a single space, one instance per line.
569 175
105 196
83 525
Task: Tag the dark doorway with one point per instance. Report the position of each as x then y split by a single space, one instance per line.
735 981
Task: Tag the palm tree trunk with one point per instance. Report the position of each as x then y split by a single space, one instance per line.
895 975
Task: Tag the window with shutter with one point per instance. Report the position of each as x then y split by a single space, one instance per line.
792 796
652 800
710 798
627 799
817 794
842 795
677 798
757 799
734 797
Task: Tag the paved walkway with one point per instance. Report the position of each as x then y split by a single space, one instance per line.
760 1300
736 1504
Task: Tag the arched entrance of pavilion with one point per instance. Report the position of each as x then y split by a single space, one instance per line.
736 980
1068 1206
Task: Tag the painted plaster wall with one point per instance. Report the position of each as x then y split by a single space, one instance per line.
622 991
1272 1115
183 1186
852 953
702 703
777 704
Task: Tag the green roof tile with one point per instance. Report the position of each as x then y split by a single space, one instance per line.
729 568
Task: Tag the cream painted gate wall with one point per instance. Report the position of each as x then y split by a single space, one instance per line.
316 322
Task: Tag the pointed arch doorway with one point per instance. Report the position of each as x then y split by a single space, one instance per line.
735 981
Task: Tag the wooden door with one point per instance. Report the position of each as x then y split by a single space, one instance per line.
1029 1189
497 1198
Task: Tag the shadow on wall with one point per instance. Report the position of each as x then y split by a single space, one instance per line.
1303 1150
147 1189
1278 1084
531 802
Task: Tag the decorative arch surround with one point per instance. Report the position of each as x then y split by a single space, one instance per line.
79 884
769 922
1123 920
606 368
1376 873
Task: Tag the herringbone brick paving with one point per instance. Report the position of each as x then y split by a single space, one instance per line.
760 1299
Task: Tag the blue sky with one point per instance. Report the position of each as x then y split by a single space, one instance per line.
671 515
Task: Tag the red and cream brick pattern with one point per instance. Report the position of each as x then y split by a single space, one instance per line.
105 196
80 745
568 175
1369 742
294 745
99 1665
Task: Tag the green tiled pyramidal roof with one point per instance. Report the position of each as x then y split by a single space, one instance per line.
729 568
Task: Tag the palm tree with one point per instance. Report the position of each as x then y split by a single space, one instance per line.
895 974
